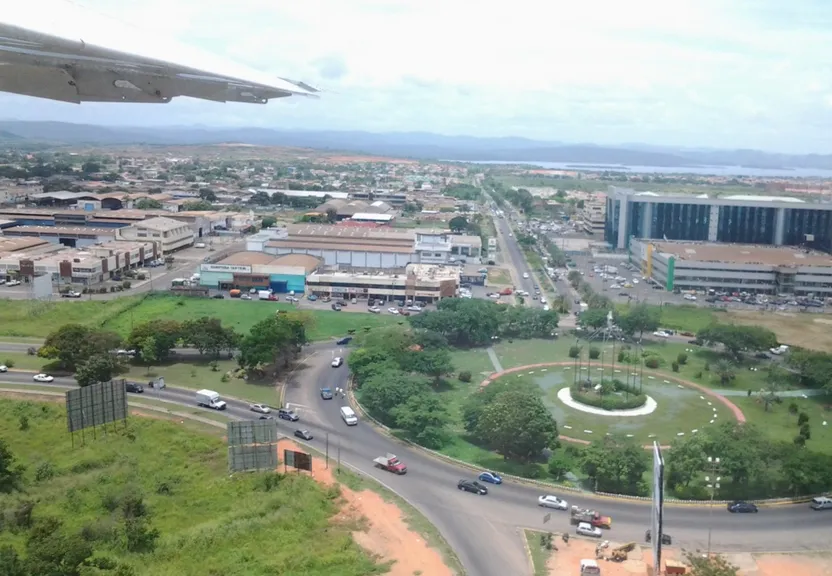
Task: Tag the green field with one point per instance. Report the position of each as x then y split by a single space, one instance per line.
539 553
23 318
209 522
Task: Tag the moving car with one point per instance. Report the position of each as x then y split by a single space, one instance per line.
261 408
344 341
391 463
821 503
326 393
741 507
286 414
587 529
133 387
472 486
4 368
549 501
303 434
43 378
490 477
337 361
666 538
336 307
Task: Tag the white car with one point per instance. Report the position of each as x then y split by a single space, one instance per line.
587 529
661 334
525 274
4 368
549 501
393 310
375 310
261 408
414 308
13 283
43 378
337 361
245 297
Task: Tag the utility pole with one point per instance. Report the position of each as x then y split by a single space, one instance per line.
713 486
327 450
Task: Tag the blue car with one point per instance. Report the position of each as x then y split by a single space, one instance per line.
490 477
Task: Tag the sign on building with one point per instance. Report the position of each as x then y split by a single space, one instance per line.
233 268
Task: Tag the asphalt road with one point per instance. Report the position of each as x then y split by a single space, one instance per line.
517 260
485 530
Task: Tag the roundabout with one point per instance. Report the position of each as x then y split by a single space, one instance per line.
671 408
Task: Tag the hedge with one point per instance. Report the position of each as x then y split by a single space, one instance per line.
611 401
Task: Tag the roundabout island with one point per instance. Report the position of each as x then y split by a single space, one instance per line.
590 402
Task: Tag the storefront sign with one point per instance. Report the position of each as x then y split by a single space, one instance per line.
226 268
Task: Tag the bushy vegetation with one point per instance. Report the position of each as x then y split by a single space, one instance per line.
156 498
609 395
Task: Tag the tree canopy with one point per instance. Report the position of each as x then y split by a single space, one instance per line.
738 339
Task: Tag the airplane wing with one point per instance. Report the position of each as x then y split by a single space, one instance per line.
60 50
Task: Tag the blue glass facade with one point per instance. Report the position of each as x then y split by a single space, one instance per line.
801 222
746 225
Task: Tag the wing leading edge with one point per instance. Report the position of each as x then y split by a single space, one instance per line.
47 54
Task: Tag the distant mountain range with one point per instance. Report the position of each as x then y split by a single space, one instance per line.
417 145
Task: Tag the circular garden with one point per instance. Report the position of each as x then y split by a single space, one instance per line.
667 408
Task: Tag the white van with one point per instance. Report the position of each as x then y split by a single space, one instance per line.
821 503
590 568
348 416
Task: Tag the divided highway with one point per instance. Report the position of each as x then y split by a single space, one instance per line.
485 530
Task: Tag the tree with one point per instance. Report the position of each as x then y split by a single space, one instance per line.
685 460
593 318
209 335
458 224
273 339
725 372
715 565
165 334
615 465
518 426
268 222
738 339
424 418
98 368
639 319
386 391
51 551
434 363
74 344
11 472
10 562
148 350
148 204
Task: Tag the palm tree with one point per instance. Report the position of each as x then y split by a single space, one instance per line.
775 381
725 371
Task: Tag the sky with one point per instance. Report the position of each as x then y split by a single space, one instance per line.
695 73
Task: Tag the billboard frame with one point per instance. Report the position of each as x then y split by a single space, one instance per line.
94 407
252 445
657 508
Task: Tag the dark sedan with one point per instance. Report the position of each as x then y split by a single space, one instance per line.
303 434
133 387
472 486
742 508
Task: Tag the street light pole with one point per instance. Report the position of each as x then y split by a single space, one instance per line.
713 486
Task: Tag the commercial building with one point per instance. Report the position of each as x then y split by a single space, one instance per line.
169 234
375 248
246 270
765 220
69 236
422 282
734 267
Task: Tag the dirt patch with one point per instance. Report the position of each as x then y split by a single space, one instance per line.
386 534
782 564
796 329
567 559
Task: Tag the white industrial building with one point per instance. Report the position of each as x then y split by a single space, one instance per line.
422 282
169 234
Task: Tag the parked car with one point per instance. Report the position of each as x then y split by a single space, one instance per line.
490 477
261 408
303 434
394 311
472 486
741 507
587 529
344 341
43 378
549 501
375 310
335 306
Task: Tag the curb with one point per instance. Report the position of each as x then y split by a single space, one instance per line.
527 549
673 502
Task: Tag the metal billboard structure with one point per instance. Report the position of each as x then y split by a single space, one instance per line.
252 445
297 460
94 407
657 509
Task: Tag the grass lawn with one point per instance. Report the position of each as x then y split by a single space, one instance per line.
499 277
779 424
23 318
539 553
205 516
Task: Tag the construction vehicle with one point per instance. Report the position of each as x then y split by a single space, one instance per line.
617 554
391 463
578 515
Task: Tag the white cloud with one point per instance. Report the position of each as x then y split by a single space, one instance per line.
745 73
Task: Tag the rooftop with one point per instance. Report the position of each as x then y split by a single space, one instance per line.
58 230
247 259
744 254
160 223
306 261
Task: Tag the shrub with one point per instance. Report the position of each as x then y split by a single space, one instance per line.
465 376
802 419
574 351
698 374
793 408
652 362
707 367
806 431
682 358
44 471
9 363
622 355
594 353
675 366
611 401
799 440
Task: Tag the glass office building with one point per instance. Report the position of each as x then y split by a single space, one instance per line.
764 220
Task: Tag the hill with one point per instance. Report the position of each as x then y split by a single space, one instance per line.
420 145
112 495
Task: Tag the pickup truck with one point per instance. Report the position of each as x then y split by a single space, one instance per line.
390 463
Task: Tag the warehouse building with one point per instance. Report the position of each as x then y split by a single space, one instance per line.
765 220
734 267
170 235
376 247
422 282
69 236
247 270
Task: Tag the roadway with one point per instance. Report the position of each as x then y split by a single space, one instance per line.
516 260
485 531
